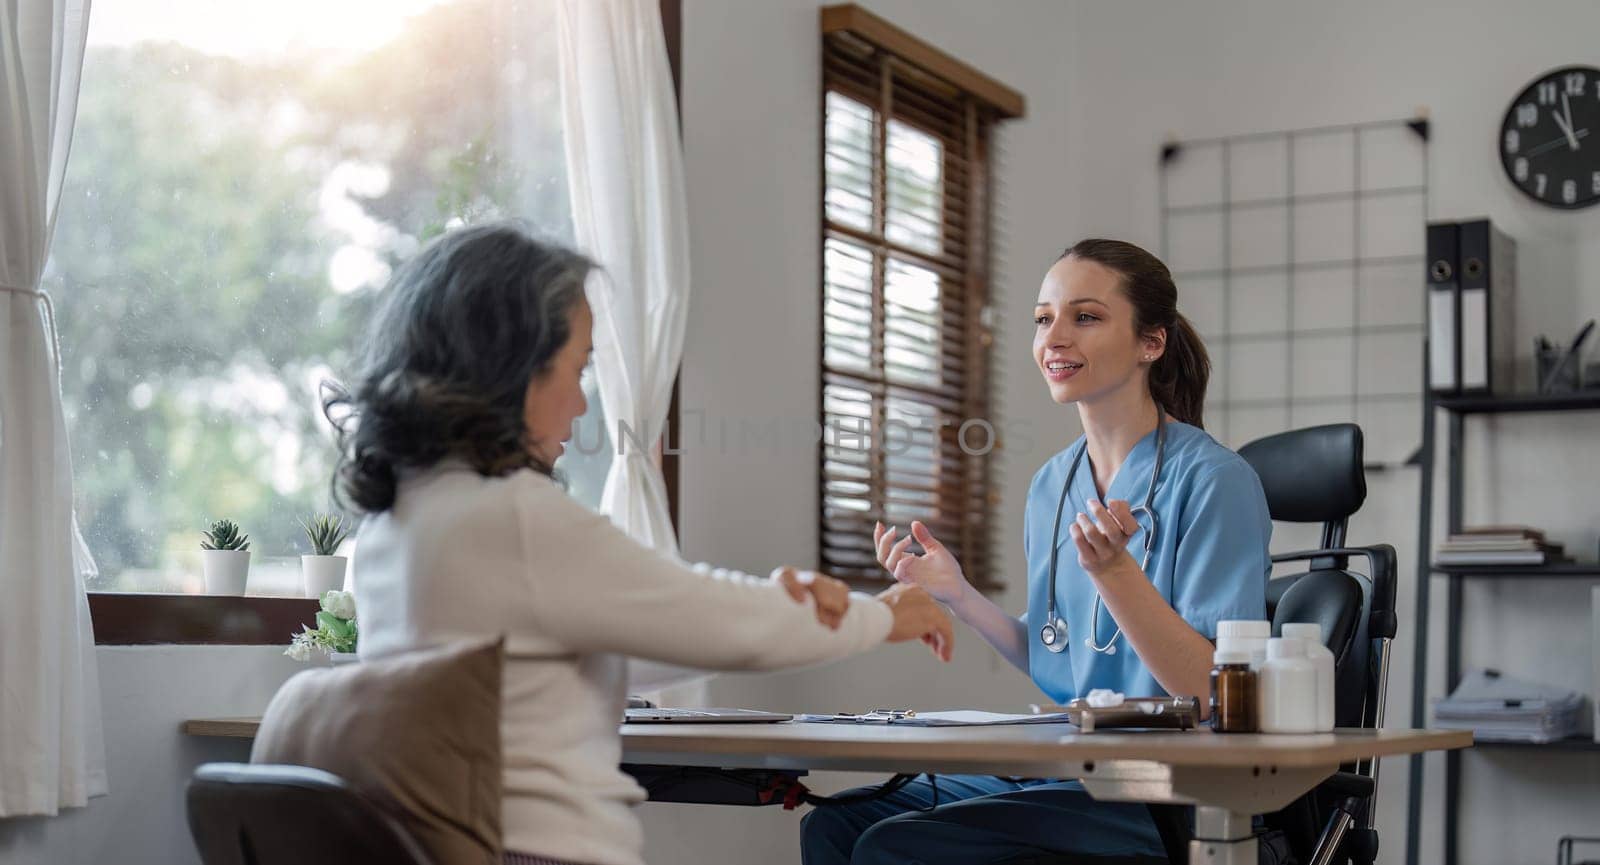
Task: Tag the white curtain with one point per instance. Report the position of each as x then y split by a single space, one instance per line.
625 172
52 750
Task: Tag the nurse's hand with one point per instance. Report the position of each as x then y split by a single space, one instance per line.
936 570
832 596
1102 536
918 616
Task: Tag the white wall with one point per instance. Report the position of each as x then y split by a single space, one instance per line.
146 693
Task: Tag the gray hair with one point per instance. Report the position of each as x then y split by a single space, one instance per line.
461 330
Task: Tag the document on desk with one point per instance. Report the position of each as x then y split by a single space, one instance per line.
950 718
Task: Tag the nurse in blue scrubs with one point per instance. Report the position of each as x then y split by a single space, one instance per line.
1155 531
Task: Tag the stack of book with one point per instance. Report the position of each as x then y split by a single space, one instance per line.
1498 545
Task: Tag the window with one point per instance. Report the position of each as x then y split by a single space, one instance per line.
243 179
905 341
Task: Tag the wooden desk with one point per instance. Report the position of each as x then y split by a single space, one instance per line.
1229 778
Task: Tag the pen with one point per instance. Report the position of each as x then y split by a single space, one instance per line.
1571 353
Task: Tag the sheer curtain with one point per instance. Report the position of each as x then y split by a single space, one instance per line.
625 173
52 751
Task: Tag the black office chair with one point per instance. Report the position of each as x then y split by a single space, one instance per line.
1316 475
241 814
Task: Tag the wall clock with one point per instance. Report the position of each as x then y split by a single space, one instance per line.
1550 138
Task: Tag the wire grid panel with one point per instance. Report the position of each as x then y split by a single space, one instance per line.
1298 257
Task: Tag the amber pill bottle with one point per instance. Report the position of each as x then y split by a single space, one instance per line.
1233 693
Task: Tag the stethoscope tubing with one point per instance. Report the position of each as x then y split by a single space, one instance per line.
1054 633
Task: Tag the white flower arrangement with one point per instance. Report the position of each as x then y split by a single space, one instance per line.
335 630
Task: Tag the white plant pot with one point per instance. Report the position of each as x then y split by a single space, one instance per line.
322 574
225 571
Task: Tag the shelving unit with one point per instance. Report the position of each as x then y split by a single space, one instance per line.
1456 409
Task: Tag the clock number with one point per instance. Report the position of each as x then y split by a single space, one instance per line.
1569 191
1527 115
1539 182
1520 169
1513 141
1575 82
1547 93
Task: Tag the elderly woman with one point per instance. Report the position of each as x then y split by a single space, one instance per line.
466 396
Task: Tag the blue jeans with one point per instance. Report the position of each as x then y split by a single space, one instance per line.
977 819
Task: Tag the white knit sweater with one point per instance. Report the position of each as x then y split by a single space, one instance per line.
460 555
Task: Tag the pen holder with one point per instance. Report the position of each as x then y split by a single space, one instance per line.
1549 379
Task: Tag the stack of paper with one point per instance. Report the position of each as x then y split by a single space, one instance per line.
1504 709
1498 545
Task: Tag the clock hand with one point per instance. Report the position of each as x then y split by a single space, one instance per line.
1551 145
1566 126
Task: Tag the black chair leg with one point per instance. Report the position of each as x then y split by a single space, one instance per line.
1345 838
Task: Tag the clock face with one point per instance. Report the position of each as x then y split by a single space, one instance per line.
1550 138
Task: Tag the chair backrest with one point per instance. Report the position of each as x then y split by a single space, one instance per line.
1312 475
243 814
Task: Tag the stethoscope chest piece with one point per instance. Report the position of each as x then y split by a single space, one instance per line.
1054 635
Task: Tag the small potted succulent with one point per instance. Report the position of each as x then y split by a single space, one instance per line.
323 570
335 633
225 558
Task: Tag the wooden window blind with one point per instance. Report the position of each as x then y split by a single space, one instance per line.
905 341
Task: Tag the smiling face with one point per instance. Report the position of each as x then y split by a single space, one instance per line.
1085 341
555 397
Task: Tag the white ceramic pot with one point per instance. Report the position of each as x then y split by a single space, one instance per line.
225 571
322 574
337 658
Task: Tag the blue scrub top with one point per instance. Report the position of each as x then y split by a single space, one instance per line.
1210 560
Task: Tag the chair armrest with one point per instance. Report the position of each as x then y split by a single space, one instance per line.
1381 559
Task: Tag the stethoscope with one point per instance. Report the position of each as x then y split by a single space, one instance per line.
1054 632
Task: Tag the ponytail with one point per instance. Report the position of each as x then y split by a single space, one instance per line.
1177 378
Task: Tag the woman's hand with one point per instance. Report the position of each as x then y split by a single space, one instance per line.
918 616
832 596
1102 537
936 570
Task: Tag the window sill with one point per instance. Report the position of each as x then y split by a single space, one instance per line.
138 619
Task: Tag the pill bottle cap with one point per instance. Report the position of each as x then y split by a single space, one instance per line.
1244 628
1230 656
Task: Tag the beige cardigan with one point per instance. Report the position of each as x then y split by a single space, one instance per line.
460 555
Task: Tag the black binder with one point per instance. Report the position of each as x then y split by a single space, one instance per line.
1444 305
1487 277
